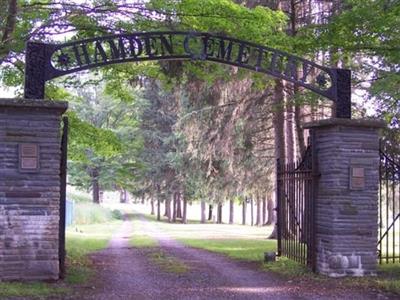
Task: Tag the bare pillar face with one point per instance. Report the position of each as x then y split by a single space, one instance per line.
29 188
346 224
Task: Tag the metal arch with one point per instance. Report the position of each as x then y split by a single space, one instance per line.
47 61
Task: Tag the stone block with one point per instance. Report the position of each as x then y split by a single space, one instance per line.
29 202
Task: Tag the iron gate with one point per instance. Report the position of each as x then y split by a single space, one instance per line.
295 193
389 209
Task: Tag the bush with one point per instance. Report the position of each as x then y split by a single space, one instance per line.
90 213
116 214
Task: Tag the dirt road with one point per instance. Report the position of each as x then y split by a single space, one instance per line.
126 272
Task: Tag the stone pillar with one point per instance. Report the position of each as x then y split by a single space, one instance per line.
346 211
29 188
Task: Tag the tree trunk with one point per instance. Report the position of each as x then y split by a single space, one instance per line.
251 211
278 120
258 217
203 212
299 131
101 195
95 185
289 136
184 215
152 205
178 206
279 137
219 213
122 196
210 212
96 191
270 209
158 204
166 209
274 233
231 211
174 206
264 210
158 209
244 211
9 25
169 211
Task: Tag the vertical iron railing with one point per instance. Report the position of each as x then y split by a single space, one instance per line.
295 194
389 209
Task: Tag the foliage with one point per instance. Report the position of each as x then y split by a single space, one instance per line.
363 36
104 146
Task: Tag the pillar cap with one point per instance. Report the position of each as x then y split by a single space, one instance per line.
366 123
59 106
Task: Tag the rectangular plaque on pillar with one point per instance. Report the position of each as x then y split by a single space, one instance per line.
357 178
28 157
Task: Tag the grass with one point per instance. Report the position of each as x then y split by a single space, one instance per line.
248 250
168 263
140 239
389 277
82 240
78 196
90 213
36 290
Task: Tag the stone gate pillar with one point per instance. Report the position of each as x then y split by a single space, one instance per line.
346 211
29 188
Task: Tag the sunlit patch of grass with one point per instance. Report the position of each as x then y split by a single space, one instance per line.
248 250
287 268
140 239
168 263
32 290
143 241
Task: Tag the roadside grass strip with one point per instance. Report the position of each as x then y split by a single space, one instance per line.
33 290
168 263
82 240
247 250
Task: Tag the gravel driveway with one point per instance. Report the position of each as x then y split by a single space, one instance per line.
125 272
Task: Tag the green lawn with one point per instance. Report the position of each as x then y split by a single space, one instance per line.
249 250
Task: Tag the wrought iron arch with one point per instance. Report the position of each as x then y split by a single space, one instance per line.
47 61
